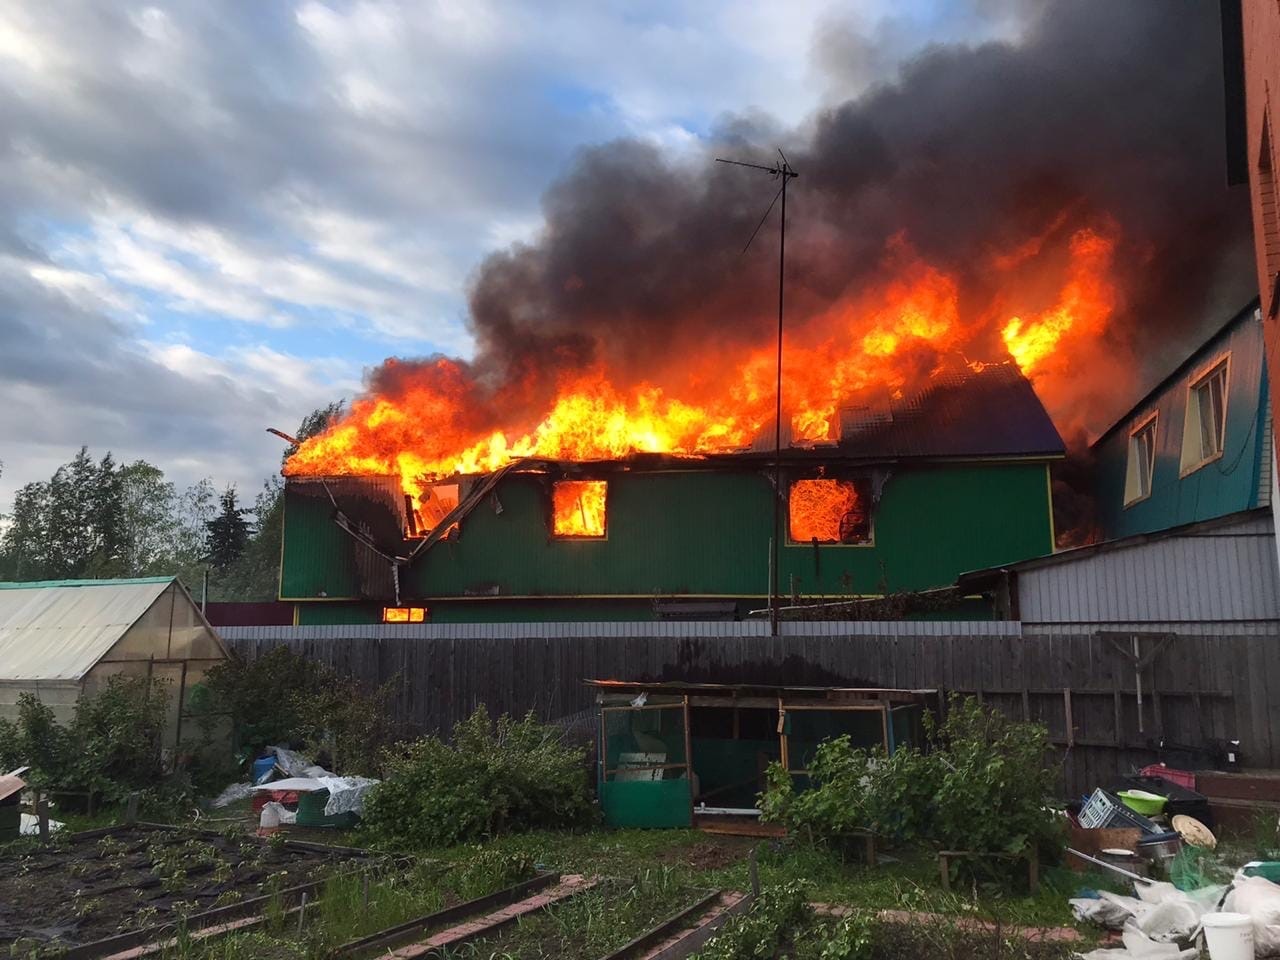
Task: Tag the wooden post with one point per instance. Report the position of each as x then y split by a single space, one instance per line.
42 816
364 894
944 868
754 870
302 913
131 810
688 756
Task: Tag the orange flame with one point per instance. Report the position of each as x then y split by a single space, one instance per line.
824 510
577 508
885 339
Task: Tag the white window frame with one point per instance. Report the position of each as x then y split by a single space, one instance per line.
1193 454
1134 467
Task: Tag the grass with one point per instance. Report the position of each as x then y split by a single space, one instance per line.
655 873
910 882
591 924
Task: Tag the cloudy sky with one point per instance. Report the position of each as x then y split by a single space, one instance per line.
215 216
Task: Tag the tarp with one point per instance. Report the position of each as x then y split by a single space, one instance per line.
58 630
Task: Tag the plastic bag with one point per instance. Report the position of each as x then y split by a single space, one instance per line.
1260 899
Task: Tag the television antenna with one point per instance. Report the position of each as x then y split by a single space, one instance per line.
784 172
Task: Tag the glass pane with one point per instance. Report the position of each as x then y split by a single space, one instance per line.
1205 399
644 744
1217 390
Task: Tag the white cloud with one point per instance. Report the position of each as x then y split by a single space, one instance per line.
289 174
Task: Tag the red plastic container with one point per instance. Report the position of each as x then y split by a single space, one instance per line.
1182 778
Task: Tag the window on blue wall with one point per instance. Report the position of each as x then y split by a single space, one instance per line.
1204 432
1142 461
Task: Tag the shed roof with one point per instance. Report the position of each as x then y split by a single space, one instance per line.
58 629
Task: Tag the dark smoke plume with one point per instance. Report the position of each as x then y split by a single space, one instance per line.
1101 109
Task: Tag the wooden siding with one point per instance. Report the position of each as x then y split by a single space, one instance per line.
1197 690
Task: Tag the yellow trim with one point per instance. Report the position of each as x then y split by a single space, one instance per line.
321 599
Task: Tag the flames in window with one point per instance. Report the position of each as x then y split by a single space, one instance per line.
828 511
577 508
404 614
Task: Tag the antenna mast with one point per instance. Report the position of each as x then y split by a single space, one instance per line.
778 171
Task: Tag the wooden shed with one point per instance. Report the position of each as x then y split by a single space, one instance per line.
61 639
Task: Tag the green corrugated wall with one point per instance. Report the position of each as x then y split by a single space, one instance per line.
696 532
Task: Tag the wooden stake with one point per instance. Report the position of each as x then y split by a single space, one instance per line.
131 810
42 815
754 869
302 914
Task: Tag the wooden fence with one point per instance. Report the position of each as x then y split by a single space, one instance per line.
1194 691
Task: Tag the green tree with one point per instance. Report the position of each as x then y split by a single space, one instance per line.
149 521
228 532
24 545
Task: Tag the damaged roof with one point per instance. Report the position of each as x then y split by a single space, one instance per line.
963 413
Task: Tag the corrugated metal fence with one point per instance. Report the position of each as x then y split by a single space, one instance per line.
1195 690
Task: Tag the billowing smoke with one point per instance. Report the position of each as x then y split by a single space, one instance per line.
1079 172
1102 113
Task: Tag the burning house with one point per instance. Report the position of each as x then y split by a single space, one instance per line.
964 254
910 493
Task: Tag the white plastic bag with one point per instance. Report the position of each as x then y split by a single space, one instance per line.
1260 899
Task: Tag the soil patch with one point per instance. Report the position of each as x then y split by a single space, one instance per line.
82 890
710 854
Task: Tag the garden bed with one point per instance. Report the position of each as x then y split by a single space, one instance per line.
130 885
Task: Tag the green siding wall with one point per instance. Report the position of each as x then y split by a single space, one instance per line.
699 532
1221 487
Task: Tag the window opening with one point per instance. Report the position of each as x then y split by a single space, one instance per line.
578 508
1142 462
435 502
1204 432
829 511
404 614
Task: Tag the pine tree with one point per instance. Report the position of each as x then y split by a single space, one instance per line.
228 532
24 546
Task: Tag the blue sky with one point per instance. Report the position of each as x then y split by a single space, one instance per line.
215 217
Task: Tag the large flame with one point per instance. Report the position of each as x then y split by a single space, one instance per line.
828 511
578 508
885 340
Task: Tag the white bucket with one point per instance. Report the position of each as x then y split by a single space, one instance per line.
1229 936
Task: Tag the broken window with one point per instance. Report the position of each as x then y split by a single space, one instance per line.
404 614
578 508
825 510
434 503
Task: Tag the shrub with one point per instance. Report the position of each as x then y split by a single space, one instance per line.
112 746
775 915
491 779
982 787
286 699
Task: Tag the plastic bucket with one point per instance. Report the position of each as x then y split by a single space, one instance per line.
1229 936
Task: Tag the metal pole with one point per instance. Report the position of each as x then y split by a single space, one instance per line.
777 425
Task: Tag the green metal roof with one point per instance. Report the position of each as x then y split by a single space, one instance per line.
36 584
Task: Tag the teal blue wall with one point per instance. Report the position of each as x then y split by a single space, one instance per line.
1226 485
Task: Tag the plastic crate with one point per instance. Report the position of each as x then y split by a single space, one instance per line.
1104 809
311 812
1182 778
